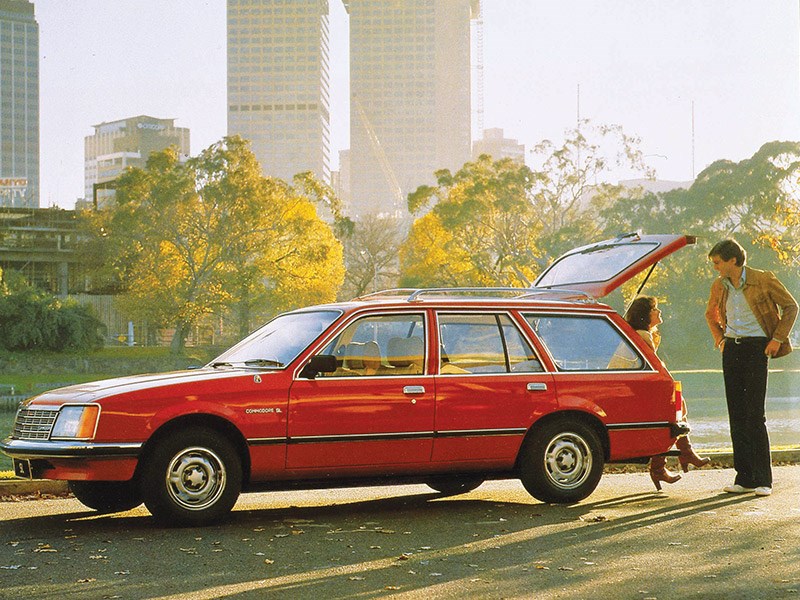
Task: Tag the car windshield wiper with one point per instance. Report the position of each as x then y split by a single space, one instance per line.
214 365
263 362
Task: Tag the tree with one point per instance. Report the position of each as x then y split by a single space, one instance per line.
481 231
571 188
501 222
203 237
371 256
754 200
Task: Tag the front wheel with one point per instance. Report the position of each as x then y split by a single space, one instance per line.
192 477
562 462
107 496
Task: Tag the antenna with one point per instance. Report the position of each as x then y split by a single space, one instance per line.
578 127
693 170
479 65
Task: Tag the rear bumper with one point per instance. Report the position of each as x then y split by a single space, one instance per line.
677 429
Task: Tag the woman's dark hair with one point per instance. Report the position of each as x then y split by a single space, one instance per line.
728 249
638 314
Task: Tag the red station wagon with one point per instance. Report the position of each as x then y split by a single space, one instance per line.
448 387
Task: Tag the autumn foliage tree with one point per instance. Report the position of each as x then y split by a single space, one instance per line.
482 229
500 222
214 235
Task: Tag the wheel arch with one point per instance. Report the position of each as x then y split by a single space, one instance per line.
213 422
568 415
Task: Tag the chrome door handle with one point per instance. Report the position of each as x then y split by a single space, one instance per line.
414 389
537 387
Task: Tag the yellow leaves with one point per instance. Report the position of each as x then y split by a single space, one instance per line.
212 234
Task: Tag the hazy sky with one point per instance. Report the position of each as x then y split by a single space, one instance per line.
639 63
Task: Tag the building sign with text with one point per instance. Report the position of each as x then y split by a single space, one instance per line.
13 190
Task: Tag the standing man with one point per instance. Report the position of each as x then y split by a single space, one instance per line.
750 314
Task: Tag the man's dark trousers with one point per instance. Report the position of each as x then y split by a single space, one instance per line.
745 368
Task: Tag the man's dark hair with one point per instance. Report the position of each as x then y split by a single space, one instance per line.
728 249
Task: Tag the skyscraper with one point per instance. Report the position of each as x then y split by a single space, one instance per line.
19 104
410 97
278 94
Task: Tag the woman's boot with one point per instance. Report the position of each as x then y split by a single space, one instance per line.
659 472
689 456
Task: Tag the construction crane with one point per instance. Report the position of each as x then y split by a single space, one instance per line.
477 16
386 167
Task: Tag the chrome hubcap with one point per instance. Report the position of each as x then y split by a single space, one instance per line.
568 460
196 478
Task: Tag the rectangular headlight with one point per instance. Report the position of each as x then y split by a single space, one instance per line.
77 422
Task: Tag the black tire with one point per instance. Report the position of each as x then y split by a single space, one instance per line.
452 485
561 462
107 496
191 477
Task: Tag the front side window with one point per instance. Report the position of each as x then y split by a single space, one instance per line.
471 343
579 343
380 345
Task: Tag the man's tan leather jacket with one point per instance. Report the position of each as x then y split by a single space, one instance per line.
773 306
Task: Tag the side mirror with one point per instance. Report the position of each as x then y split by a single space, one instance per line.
321 363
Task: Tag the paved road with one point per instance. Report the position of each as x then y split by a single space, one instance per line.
405 542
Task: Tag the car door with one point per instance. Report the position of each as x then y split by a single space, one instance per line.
490 387
375 410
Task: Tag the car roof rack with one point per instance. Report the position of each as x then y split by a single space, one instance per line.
513 293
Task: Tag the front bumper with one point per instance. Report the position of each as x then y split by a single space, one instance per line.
72 460
57 449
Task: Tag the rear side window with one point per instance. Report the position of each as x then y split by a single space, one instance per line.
579 343
471 343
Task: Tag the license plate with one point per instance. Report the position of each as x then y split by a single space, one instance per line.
22 468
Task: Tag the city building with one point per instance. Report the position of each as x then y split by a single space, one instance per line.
125 143
19 104
278 83
40 245
409 97
495 145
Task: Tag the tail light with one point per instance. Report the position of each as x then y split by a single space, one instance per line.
678 401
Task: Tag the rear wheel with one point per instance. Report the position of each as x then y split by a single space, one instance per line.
192 477
107 496
455 484
562 462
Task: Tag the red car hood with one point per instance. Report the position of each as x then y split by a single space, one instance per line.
97 390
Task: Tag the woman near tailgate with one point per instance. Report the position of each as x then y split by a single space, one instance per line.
645 316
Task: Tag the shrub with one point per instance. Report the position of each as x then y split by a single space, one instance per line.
31 319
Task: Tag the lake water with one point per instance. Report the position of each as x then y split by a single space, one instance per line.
704 392
705 398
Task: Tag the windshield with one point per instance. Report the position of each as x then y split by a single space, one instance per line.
278 342
597 263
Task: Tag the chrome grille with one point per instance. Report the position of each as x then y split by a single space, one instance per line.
34 424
